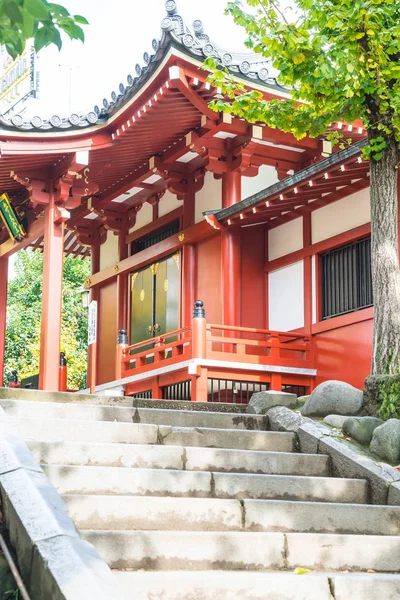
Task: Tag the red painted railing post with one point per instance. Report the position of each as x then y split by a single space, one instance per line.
199 351
122 344
62 373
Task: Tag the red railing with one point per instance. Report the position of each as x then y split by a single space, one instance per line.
213 341
277 347
155 352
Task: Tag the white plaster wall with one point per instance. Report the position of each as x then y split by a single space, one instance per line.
340 216
286 298
251 185
209 197
314 288
143 217
285 239
109 251
168 203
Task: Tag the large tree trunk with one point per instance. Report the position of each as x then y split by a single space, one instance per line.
385 262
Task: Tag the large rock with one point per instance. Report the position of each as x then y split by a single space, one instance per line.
333 397
261 402
361 429
335 420
386 441
282 418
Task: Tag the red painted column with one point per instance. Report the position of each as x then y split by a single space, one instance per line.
94 296
307 275
230 253
53 257
3 312
188 281
122 284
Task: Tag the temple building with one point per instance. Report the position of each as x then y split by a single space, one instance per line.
227 257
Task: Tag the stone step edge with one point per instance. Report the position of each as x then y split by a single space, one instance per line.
346 459
98 400
21 403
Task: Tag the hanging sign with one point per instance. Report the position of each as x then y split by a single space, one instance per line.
18 78
92 324
10 219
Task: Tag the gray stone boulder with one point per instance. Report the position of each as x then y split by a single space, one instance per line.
261 402
282 418
386 441
333 397
336 420
361 429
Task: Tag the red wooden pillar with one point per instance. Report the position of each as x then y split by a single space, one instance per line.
307 276
94 296
3 311
230 253
188 283
122 284
53 257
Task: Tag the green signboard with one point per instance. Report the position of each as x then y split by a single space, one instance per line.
10 219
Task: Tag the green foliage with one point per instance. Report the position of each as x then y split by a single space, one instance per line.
24 305
44 21
388 400
339 58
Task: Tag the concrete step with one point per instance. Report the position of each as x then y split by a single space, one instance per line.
132 433
179 457
201 514
256 585
119 481
90 412
192 550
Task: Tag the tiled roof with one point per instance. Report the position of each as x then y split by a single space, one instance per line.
175 33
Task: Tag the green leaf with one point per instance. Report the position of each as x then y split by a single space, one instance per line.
80 19
12 10
58 9
27 26
37 9
42 38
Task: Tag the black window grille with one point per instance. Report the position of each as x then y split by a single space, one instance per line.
147 395
156 236
346 279
236 392
299 390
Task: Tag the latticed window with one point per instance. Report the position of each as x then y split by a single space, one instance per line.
156 236
346 279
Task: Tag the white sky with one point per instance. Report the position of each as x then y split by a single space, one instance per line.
120 31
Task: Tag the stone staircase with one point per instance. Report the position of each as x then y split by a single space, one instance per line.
190 505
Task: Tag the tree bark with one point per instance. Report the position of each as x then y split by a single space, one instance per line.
385 261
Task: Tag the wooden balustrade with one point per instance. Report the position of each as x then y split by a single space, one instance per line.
226 344
154 352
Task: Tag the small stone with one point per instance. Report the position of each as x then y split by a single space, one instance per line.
302 400
361 428
333 397
261 402
386 441
335 420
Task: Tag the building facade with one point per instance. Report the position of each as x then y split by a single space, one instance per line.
177 203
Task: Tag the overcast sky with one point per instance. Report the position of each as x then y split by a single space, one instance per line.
120 31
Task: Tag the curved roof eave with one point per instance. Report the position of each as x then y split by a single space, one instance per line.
193 43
